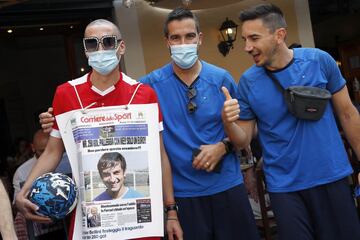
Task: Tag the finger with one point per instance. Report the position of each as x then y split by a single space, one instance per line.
226 93
197 160
38 218
30 206
210 168
50 110
30 212
47 120
47 125
232 115
232 110
231 103
45 115
201 160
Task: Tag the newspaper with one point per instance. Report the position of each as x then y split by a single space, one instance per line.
131 134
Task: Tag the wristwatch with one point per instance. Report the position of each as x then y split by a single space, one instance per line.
171 207
228 145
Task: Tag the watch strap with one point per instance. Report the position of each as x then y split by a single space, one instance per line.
171 207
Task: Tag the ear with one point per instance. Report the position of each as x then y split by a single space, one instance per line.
200 38
122 47
167 44
32 147
281 35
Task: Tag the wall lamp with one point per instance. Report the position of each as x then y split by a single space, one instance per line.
228 32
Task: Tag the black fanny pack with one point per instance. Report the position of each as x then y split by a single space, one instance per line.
304 102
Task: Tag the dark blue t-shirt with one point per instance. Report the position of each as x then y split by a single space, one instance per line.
130 193
298 154
184 131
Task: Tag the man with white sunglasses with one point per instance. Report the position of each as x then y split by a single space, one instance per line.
105 86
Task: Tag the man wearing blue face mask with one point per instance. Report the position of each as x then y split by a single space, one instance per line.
106 85
211 199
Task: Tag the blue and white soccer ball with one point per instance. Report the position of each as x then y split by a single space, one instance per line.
55 194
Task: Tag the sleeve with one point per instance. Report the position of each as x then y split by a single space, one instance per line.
332 72
230 84
145 79
246 112
16 184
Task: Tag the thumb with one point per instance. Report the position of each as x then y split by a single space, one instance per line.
226 93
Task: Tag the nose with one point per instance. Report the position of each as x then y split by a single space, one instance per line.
112 178
248 47
183 40
101 47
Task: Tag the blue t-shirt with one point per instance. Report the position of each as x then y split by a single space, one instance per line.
184 131
131 193
298 154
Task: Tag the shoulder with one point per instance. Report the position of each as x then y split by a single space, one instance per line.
143 90
310 54
158 75
102 196
131 193
215 75
24 168
253 73
211 69
65 87
128 80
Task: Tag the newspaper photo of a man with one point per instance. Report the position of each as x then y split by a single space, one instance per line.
93 218
112 170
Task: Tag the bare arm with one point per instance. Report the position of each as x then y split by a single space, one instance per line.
240 132
6 220
46 163
349 118
173 227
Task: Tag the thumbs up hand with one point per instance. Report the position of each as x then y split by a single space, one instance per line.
231 109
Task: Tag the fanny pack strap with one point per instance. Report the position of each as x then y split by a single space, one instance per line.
274 79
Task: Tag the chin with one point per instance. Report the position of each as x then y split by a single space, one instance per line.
115 190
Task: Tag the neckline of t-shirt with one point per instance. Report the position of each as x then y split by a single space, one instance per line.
106 91
286 66
196 79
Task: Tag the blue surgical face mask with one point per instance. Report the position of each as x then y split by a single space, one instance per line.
184 55
103 61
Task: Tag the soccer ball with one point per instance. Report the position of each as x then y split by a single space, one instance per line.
55 194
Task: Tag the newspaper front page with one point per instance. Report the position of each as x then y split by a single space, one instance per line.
114 153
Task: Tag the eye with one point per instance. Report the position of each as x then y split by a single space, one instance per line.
190 35
174 37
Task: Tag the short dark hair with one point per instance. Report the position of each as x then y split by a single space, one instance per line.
270 14
110 160
180 13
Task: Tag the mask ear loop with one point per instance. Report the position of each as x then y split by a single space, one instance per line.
83 109
132 97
